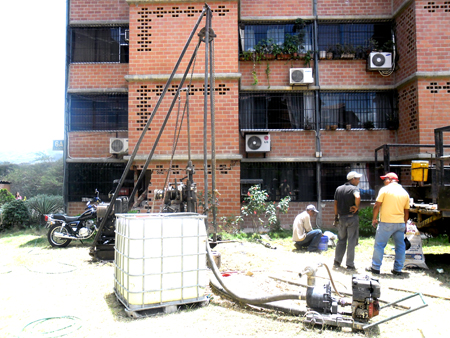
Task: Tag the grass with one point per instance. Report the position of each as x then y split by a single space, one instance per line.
35 284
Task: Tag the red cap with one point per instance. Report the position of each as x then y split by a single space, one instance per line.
392 176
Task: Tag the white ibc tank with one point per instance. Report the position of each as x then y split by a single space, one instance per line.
160 259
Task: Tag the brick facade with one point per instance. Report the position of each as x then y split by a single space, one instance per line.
158 31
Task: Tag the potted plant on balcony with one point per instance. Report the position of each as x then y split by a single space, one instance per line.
246 56
338 50
290 46
392 121
265 48
330 53
348 52
369 125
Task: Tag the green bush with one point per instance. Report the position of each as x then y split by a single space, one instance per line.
15 213
5 197
257 207
365 222
43 205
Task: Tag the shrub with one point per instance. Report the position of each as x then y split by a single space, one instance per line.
365 222
5 197
42 205
15 213
257 207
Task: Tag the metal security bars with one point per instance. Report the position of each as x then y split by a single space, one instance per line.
289 110
253 34
298 180
356 38
99 44
359 109
98 112
267 111
282 179
84 178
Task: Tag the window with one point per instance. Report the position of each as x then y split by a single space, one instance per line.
297 180
252 34
357 108
289 110
98 112
104 44
361 36
84 178
335 174
276 110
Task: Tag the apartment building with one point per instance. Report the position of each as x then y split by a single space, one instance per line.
304 91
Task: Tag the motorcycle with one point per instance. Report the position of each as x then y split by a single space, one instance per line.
63 229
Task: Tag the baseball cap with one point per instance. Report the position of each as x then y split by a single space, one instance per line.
392 176
353 174
311 208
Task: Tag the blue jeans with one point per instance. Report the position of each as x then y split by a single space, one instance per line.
384 232
311 240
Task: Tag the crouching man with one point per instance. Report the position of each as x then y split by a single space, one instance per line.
303 234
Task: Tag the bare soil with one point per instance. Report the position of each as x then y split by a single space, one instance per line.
40 282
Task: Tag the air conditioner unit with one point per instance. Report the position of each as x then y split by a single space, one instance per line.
257 143
118 145
379 61
300 76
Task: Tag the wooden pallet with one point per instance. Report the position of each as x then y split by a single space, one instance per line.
164 309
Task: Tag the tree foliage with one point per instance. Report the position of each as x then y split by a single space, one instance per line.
15 213
5 197
45 176
365 222
257 207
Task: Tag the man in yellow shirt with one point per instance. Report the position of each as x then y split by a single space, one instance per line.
393 205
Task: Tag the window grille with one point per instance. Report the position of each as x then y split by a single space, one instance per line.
276 110
357 108
361 36
99 44
84 178
335 174
98 112
289 110
299 180
296 180
252 34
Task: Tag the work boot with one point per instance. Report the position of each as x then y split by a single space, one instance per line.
396 273
374 271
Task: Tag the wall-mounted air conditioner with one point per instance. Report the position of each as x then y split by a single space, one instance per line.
257 143
379 61
300 76
118 145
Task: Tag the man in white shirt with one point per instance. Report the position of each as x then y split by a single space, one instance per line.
303 235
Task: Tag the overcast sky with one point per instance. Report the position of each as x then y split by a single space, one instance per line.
33 70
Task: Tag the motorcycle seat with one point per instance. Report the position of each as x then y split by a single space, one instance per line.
65 218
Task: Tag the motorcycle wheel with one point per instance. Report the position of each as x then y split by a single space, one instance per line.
56 241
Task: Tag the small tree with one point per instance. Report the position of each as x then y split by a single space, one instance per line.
257 207
15 213
5 197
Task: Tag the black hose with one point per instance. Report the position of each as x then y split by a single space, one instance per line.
253 301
